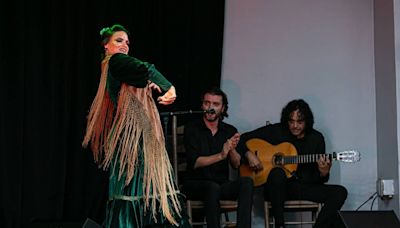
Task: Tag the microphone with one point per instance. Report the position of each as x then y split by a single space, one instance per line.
210 111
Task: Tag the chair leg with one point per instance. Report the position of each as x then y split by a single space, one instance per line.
313 215
266 210
189 211
270 221
226 216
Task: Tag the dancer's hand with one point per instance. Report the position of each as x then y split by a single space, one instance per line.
169 97
154 86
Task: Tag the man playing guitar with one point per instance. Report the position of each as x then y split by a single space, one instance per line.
307 181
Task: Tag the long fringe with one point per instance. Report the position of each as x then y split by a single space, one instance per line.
100 116
136 119
133 124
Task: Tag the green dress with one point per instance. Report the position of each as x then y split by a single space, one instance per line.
126 206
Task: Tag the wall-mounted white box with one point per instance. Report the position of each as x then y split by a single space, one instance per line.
385 188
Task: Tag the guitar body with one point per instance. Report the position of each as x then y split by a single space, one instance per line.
284 155
267 152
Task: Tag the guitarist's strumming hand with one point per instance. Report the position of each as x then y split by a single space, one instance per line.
324 165
254 162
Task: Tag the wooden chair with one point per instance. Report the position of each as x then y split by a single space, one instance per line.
226 207
294 206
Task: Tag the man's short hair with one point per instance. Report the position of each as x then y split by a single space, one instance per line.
217 91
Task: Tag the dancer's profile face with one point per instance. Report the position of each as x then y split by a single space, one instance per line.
118 43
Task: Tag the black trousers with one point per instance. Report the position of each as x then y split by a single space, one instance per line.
211 192
279 188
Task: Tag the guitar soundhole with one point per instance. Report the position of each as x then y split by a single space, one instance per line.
278 160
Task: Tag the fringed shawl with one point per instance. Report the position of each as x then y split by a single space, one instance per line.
136 119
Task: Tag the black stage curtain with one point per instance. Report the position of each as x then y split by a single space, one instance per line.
49 58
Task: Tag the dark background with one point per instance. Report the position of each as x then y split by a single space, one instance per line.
49 58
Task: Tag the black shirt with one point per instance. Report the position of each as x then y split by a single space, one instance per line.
199 141
312 143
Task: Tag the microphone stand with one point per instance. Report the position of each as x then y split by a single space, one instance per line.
165 116
181 113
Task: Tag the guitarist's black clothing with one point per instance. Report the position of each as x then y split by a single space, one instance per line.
306 183
312 143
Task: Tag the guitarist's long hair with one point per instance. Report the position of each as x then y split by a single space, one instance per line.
305 112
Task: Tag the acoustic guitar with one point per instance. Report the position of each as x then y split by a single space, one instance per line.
284 155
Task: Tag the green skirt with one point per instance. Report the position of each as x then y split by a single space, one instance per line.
126 206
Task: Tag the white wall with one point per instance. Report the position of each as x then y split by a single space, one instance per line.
397 67
396 13
318 50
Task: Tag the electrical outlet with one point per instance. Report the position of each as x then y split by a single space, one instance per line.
385 188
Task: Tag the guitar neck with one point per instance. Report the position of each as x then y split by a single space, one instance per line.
300 159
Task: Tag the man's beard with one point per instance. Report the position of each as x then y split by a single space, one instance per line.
212 119
296 132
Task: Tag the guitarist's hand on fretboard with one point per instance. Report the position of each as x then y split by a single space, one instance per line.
324 165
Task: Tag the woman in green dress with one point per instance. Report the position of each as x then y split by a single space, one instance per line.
126 137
